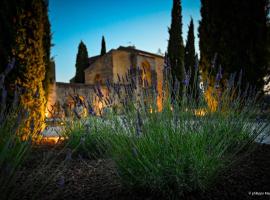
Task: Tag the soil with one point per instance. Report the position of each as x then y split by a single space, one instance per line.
79 178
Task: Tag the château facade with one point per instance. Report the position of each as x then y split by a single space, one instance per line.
118 66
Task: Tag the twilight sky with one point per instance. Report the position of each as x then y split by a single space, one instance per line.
143 23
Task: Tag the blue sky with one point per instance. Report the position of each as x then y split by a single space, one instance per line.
143 23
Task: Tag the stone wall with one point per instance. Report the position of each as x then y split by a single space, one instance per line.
121 64
62 95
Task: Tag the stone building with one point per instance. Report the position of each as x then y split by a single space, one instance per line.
117 63
118 66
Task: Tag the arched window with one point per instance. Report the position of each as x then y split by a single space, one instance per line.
146 74
98 79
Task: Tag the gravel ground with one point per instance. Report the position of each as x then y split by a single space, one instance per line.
77 178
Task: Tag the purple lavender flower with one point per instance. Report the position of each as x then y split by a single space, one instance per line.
9 67
139 125
61 182
219 74
4 97
108 85
91 110
99 92
32 125
146 83
186 80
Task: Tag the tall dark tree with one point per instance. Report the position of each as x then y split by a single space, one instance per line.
176 48
7 31
47 37
81 63
190 62
103 46
233 37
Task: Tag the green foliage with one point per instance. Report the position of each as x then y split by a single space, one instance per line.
26 38
103 46
233 36
81 63
29 53
176 47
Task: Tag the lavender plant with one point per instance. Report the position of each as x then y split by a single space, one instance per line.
13 150
184 147
177 152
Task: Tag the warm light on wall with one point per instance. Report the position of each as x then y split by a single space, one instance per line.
210 99
200 112
51 140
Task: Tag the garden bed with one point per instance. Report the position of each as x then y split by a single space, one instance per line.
80 178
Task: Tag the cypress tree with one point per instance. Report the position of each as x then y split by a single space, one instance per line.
47 37
7 31
103 46
81 63
29 55
176 48
190 62
233 37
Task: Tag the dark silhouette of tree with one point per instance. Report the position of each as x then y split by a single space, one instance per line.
103 46
176 48
81 63
190 63
233 39
47 37
7 31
